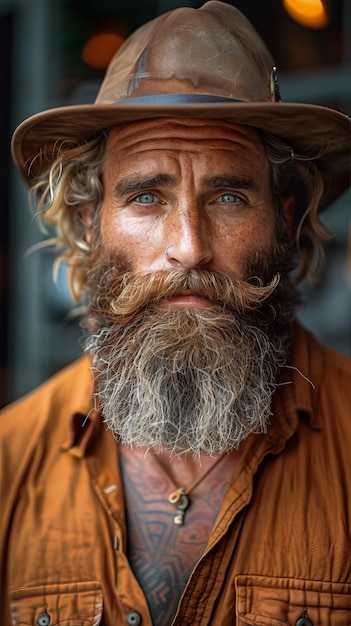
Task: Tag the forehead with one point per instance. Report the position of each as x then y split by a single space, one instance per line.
134 141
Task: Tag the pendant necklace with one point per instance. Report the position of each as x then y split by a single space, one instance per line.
181 496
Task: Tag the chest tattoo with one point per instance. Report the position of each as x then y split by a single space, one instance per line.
162 554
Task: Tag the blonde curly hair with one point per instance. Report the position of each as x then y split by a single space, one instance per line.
74 179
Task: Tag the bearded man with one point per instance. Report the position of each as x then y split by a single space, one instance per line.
194 466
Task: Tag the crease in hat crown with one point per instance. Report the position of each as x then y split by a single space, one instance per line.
206 63
213 50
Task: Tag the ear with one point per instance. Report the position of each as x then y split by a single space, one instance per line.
86 214
288 204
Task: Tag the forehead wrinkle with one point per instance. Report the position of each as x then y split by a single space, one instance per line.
174 143
132 131
136 137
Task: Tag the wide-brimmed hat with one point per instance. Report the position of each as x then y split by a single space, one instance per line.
206 63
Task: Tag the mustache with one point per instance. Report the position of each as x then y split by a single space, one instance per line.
121 296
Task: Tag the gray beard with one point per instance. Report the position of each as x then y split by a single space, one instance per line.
196 380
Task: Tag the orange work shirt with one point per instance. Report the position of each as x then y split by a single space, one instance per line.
279 551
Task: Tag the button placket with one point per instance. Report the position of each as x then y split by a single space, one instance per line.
107 486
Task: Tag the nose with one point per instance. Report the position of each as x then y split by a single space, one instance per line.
189 244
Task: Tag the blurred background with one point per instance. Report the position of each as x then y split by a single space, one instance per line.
53 53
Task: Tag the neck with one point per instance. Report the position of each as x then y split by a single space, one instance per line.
183 469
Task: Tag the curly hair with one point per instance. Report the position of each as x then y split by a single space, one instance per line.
74 179
57 195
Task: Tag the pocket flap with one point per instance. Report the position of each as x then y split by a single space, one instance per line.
271 601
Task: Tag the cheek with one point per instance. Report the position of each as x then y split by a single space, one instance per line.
121 233
239 246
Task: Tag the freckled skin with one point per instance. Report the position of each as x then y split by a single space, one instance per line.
209 228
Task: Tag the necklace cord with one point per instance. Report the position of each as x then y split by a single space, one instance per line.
181 496
187 490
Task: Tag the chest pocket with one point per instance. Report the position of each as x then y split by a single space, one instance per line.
70 604
268 601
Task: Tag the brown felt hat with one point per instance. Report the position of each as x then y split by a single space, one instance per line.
206 63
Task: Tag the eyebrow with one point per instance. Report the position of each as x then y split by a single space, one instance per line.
133 184
234 182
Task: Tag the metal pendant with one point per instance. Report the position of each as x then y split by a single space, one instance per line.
182 502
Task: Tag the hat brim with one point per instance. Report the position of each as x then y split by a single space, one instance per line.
309 129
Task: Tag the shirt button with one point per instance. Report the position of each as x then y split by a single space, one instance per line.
133 618
303 621
43 619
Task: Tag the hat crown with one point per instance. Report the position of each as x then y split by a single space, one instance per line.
213 51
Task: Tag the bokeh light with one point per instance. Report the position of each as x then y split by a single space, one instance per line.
99 49
308 13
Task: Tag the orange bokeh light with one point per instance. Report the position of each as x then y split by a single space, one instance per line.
309 13
99 49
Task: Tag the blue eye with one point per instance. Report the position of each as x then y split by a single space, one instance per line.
145 198
229 198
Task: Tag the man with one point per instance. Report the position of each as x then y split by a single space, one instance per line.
194 466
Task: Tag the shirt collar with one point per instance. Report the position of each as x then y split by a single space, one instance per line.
85 422
304 374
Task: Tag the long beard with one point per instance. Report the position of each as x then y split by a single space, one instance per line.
186 380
